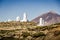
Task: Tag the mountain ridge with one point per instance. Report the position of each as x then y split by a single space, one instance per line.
49 17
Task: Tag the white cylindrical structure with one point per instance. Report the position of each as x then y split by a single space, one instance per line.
17 18
41 22
25 17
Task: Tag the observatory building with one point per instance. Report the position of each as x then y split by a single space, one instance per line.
24 18
17 18
41 22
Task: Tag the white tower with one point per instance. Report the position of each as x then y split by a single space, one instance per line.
41 22
17 18
24 17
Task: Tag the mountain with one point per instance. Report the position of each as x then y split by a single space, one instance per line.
49 18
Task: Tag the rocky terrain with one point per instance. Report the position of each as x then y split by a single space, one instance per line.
28 31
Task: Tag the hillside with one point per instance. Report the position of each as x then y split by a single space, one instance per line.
28 31
50 17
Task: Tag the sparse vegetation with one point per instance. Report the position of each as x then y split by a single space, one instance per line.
25 34
57 32
38 34
28 31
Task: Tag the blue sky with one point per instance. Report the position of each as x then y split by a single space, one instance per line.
10 9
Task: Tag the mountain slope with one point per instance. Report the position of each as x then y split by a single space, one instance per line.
50 18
